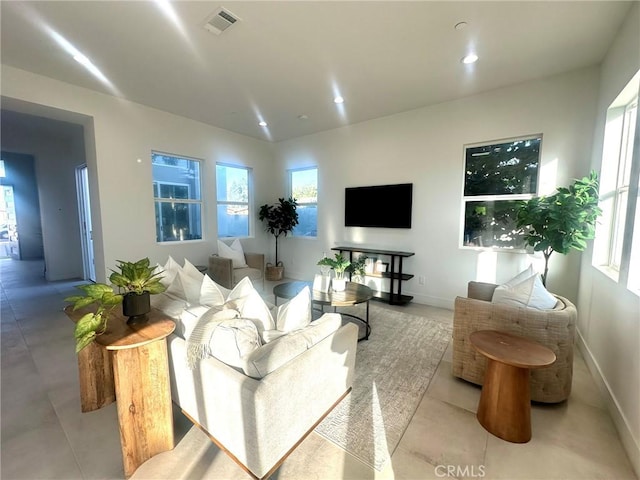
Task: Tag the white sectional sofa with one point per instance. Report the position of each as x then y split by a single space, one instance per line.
259 405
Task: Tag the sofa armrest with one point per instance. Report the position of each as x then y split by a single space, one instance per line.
481 290
255 260
221 270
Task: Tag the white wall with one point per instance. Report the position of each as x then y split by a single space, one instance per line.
57 147
609 321
425 147
121 193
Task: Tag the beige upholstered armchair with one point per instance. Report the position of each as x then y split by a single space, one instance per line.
553 328
222 272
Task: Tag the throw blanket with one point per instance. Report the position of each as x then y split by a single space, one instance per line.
198 345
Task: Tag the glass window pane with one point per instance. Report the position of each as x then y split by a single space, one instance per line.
233 221
177 177
304 185
178 221
502 168
618 228
307 221
492 224
232 184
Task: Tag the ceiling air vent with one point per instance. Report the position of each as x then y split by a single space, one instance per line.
220 20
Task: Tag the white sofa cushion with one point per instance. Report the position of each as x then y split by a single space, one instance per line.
231 340
273 355
211 293
170 270
234 252
296 313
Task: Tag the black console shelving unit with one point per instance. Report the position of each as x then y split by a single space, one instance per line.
395 275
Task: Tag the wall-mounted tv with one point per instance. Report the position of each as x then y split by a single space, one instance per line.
385 206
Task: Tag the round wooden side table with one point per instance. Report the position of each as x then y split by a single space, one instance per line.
505 403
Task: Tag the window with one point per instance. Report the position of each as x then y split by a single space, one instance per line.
304 189
497 177
177 196
233 191
617 245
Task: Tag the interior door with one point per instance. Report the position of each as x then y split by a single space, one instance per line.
84 210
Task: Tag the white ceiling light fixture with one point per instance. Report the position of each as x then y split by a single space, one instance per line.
262 123
470 58
220 20
338 100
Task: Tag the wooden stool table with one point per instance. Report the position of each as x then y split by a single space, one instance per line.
505 403
129 364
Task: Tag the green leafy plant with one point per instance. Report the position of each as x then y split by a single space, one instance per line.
280 218
339 264
134 277
562 221
357 267
137 277
93 324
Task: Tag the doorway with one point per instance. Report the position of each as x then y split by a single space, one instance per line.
84 210
8 224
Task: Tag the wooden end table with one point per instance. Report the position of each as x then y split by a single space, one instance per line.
505 402
129 364
353 294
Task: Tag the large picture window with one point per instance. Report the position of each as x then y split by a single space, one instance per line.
304 189
497 176
233 191
617 244
177 196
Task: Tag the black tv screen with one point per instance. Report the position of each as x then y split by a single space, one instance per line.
385 206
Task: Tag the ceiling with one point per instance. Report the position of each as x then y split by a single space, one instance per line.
283 60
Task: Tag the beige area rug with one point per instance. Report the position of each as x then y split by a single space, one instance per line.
393 370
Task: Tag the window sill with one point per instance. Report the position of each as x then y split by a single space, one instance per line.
493 249
612 273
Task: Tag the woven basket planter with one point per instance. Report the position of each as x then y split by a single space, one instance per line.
274 272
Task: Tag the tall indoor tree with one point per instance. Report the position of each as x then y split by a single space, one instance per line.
562 221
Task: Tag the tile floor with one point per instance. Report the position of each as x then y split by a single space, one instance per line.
44 435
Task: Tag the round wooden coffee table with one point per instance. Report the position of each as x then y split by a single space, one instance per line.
505 402
353 294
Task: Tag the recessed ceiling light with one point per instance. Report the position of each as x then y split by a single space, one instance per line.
338 99
460 25
470 58
262 123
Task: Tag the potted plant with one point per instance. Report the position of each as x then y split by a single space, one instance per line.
93 323
562 221
139 281
280 219
357 269
339 265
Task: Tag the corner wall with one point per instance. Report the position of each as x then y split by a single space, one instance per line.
609 314
426 147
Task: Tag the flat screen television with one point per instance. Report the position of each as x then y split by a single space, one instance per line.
384 206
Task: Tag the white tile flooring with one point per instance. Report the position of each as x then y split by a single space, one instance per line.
44 435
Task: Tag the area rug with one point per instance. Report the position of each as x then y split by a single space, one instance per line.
393 370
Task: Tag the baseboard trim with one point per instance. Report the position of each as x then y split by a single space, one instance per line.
629 443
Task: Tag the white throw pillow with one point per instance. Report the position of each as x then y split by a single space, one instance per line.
191 270
254 308
529 292
169 304
170 270
186 287
211 293
233 339
525 274
296 313
188 319
234 252
242 289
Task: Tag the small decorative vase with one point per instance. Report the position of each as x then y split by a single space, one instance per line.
136 306
339 284
325 269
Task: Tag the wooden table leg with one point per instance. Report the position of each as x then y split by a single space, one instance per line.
505 403
144 403
96 378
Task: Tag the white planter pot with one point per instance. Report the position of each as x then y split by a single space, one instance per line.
339 284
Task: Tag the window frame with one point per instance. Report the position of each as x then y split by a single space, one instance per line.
187 201
617 240
248 203
290 173
494 198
